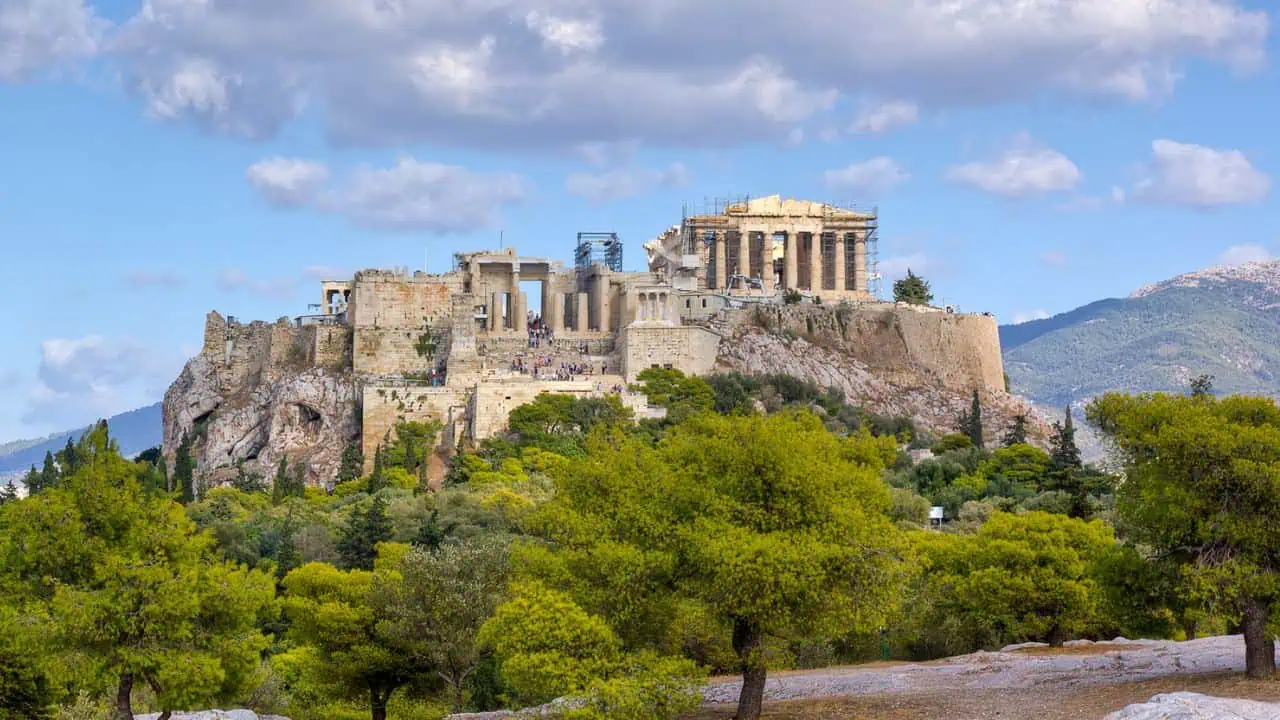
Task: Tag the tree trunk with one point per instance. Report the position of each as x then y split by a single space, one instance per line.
1189 628
165 715
1056 636
1259 647
378 703
747 639
124 698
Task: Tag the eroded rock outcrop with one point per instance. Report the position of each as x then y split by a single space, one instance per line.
1194 706
258 393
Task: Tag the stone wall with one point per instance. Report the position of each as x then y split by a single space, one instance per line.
390 300
331 346
385 405
689 348
381 351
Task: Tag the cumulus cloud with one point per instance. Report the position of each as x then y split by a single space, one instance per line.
287 181
235 280
546 73
152 279
606 154
868 177
81 380
1240 254
1198 176
411 195
1054 258
1026 168
885 116
36 35
1029 315
624 182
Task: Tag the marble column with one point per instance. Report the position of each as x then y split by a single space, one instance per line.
580 321
766 261
839 261
519 322
513 297
790 267
722 260
496 302
860 262
744 253
601 293
815 262
554 315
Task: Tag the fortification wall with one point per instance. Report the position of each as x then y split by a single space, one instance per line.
385 405
689 348
331 347
389 300
898 342
381 351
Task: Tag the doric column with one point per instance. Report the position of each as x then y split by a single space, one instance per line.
860 261
815 262
790 266
513 296
744 253
520 313
766 261
554 315
839 260
580 307
495 310
602 303
722 260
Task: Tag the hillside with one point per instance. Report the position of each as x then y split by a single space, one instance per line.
1223 321
135 430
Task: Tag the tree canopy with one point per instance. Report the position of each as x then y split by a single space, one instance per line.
912 289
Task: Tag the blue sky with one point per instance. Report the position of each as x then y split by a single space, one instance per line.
164 158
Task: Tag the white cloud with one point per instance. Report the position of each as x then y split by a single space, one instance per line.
1241 254
42 34
92 377
1029 315
411 195
1187 174
885 116
606 154
152 278
896 267
1026 168
555 73
869 177
235 279
287 181
795 138
624 182
1054 258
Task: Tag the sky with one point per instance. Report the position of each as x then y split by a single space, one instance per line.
163 158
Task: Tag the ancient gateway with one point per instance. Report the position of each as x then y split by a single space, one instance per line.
465 347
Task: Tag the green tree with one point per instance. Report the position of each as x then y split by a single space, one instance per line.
773 524
912 289
25 691
8 493
184 470
1200 488
343 643
1066 469
48 476
133 590
1017 434
971 421
435 610
670 388
431 535
1202 386
358 546
352 465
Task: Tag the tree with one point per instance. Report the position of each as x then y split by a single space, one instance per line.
132 589
1199 488
46 478
352 465
1064 455
912 289
25 691
342 633
1017 434
772 524
1202 386
971 421
184 471
8 493
358 545
435 610
432 535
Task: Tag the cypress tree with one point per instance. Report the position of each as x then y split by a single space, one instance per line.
184 471
280 484
358 546
971 424
8 493
1064 454
49 475
352 463
431 535
1017 434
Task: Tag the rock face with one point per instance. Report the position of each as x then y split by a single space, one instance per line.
214 715
1194 706
256 394
883 363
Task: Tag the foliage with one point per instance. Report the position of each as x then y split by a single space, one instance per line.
773 522
681 395
352 464
1017 434
367 527
25 690
912 289
970 423
646 686
791 296
561 423
184 467
1200 489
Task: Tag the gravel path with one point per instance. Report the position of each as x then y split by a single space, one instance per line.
1131 661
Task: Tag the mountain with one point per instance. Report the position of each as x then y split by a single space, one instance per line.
135 430
1222 321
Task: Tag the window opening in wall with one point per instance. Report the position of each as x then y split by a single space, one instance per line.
704 302
689 303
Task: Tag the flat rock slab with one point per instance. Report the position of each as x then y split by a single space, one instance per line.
213 715
1194 706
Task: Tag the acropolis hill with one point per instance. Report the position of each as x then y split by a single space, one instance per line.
464 348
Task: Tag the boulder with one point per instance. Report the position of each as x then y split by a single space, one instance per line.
214 715
1194 706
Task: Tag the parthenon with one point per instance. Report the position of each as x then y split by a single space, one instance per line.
763 245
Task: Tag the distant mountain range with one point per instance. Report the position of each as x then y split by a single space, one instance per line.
1222 321
135 431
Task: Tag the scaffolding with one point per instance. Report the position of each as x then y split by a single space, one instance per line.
597 247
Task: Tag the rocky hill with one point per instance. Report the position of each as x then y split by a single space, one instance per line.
1222 321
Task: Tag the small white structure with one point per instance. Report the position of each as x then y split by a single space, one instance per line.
935 516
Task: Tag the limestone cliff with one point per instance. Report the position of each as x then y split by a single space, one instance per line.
892 360
260 392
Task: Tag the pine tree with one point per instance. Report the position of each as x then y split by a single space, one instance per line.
49 476
1017 434
184 471
352 463
1065 467
358 546
68 459
912 289
9 493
